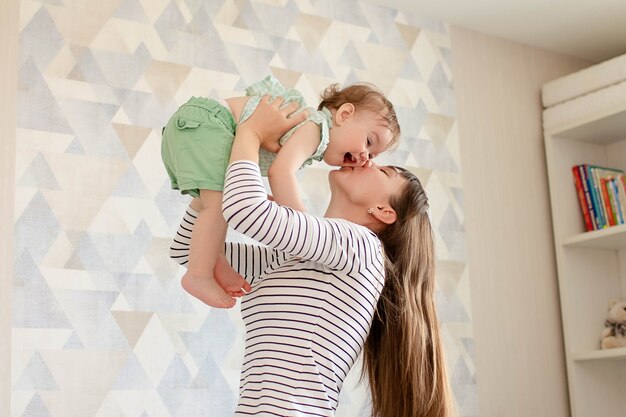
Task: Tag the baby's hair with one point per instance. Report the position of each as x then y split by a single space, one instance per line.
363 96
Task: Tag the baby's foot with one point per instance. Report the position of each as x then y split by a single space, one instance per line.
233 283
207 290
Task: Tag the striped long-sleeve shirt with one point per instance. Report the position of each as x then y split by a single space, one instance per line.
315 289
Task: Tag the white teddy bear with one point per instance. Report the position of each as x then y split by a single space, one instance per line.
614 334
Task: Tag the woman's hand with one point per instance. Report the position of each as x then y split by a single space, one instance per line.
271 120
266 125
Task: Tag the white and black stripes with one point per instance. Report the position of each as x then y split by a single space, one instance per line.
179 250
315 289
248 211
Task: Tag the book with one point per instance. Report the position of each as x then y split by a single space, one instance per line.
585 203
608 211
621 194
614 200
601 193
594 178
608 201
589 194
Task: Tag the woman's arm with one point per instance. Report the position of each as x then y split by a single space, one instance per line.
336 243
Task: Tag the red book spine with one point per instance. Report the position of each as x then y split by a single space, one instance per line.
595 221
582 199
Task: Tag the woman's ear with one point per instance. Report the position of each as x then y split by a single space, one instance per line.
385 214
344 112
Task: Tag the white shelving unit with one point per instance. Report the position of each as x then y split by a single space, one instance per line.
591 265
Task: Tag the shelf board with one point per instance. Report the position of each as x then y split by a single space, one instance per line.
617 353
600 129
610 238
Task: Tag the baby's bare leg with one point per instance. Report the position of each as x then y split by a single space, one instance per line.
207 243
233 283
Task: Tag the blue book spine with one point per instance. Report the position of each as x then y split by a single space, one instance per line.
597 211
595 181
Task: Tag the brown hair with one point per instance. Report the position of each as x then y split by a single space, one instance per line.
363 96
403 353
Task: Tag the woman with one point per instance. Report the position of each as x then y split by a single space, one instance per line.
325 289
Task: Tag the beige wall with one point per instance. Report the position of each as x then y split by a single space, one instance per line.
519 352
8 99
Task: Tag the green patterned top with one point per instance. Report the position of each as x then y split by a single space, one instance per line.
270 85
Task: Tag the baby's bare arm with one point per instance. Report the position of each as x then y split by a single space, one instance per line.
282 173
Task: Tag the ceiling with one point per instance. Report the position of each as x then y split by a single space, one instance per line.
594 30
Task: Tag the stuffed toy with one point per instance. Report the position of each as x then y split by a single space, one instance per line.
614 334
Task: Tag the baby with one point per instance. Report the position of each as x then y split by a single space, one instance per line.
350 126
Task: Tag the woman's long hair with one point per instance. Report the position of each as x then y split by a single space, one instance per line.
403 354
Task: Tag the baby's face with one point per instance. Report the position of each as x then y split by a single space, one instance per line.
358 139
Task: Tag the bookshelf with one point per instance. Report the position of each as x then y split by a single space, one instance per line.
609 238
591 265
619 354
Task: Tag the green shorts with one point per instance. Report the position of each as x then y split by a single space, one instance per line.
196 146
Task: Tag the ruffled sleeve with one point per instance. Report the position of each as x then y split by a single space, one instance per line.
324 119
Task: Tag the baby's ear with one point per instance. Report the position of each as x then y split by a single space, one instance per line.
344 112
612 303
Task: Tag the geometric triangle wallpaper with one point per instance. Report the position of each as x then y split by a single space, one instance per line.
101 326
